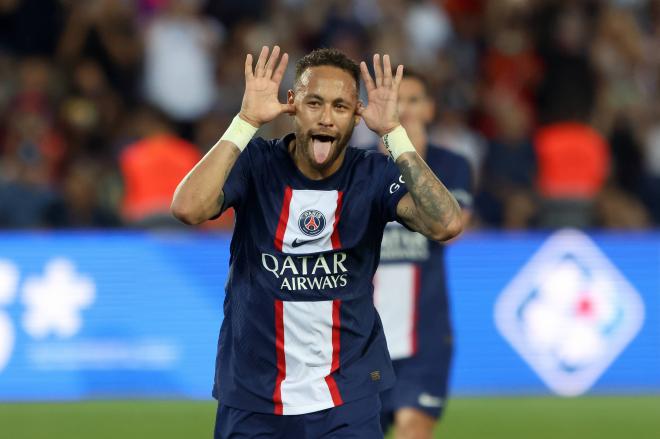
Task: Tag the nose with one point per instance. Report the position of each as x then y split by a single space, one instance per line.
326 116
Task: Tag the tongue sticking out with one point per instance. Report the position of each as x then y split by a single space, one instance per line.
321 150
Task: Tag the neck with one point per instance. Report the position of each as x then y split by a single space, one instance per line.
302 162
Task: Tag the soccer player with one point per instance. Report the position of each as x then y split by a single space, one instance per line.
301 351
410 286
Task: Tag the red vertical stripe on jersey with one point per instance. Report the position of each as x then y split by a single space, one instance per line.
336 326
330 380
284 218
334 391
281 362
336 243
415 307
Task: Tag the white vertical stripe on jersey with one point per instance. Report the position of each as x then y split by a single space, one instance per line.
394 297
302 200
308 356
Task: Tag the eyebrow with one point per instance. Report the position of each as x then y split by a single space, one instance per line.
320 98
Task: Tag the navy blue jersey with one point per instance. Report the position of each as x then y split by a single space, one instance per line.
300 332
410 284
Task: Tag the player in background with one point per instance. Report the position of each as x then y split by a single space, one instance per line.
411 288
301 351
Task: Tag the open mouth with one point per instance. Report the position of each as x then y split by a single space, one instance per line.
321 145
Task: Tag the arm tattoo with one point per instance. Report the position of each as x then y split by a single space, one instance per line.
432 199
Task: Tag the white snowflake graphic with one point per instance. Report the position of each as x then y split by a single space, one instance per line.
54 300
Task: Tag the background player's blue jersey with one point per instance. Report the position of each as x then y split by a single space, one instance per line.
300 332
410 284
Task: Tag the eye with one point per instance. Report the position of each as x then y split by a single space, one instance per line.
314 104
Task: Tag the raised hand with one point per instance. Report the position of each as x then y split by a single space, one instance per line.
260 104
380 114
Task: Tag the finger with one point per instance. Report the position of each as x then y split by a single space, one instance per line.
248 67
399 76
387 71
281 68
261 62
270 65
378 70
366 77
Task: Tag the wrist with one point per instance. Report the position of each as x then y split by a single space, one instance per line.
386 131
397 142
240 132
249 120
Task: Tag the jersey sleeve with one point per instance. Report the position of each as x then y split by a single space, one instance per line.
238 182
392 189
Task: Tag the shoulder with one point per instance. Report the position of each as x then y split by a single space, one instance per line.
259 144
263 149
368 157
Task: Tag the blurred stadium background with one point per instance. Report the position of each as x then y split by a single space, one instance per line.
109 310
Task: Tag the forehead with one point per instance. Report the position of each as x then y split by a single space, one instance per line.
411 86
328 81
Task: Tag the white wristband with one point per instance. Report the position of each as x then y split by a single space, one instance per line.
397 142
239 133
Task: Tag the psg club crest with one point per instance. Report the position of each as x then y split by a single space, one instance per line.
569 313
311 222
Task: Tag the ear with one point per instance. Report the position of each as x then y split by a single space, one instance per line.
360 108
290 97
358 112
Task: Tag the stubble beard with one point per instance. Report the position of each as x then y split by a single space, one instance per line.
303 148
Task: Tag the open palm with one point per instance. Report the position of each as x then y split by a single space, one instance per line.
260 102
381 115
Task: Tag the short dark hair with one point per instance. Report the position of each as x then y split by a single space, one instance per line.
328 57
414 74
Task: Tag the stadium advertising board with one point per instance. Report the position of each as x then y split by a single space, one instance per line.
121 315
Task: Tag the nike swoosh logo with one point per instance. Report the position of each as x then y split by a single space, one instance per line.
297 243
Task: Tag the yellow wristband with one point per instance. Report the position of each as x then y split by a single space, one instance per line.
239 133
397 142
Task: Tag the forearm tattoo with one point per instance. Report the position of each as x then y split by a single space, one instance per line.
432 199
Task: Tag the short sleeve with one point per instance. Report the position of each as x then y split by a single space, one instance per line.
392 189
238 182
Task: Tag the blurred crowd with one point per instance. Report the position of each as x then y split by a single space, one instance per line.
106 104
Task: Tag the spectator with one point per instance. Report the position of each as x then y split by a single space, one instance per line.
107 32
73 73
506 198
179 64
151 169
80 205
573 165
91 111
